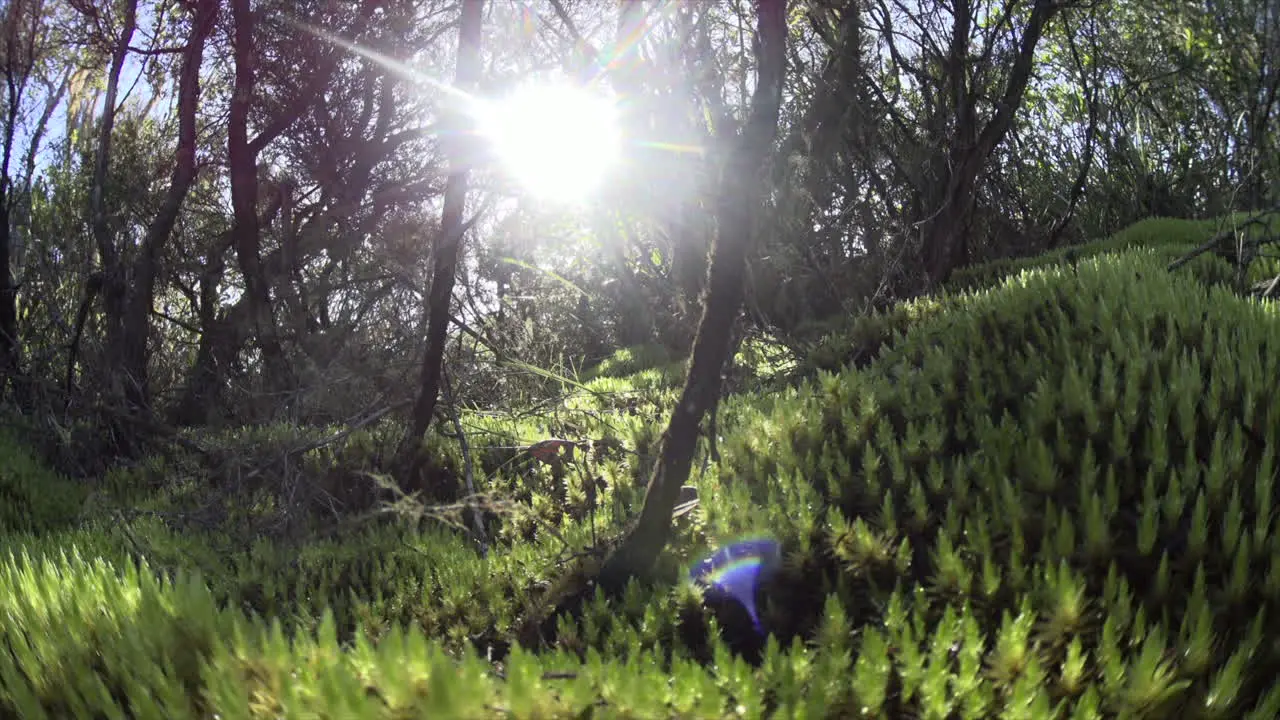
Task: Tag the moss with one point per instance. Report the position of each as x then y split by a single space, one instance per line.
34 498
1080 451
632 360
1050 495
858 342
1170 238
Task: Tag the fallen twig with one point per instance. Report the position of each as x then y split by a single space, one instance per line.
1202 249
1216 240
351 427
1267 288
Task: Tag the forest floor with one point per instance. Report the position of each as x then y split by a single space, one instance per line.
1046 492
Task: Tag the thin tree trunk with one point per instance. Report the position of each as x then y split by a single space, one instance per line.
741 192
8 293
9 364
1091 93
19 59
17 218
142 297
220 341
114 282
242 157
221 337
452 227
946 229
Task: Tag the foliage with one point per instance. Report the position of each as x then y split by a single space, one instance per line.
1038 501
32 497
1044 489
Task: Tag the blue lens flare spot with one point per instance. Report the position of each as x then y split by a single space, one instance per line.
737 569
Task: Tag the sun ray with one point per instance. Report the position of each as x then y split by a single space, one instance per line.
402 69
677 148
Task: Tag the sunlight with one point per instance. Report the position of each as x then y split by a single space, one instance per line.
557 140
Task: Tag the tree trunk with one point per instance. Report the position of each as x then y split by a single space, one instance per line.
1091 92
452 226
741 192
8 293
115 284
945 231
137 319
242 157
8 301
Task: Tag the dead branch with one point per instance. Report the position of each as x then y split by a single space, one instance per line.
1232 234
351 427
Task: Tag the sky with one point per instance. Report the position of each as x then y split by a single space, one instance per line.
133 89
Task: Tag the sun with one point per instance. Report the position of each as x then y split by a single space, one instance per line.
557 140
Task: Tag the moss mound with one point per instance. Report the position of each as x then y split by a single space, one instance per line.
859 342
1170 238
1058 494
1052 496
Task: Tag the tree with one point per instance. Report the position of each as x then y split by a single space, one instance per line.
453 226
114 282
242 159
21 25
342 158
129 271
949 188
741 193
140 301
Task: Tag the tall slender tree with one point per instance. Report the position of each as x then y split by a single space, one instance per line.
20 21
955 173
141 295
115 284
129 273
452 227
742 190
242 159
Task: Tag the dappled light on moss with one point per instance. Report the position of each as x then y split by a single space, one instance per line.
1050 495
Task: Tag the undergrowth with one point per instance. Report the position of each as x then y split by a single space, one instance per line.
1048 492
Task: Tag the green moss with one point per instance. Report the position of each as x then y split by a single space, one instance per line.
1049 496
632 360
89 638
1076 457
34 498
859 341
1170 238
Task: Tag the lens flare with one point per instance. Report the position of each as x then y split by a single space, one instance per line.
737 570
557 139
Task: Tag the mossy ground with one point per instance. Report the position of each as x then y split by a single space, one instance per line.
1046 493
